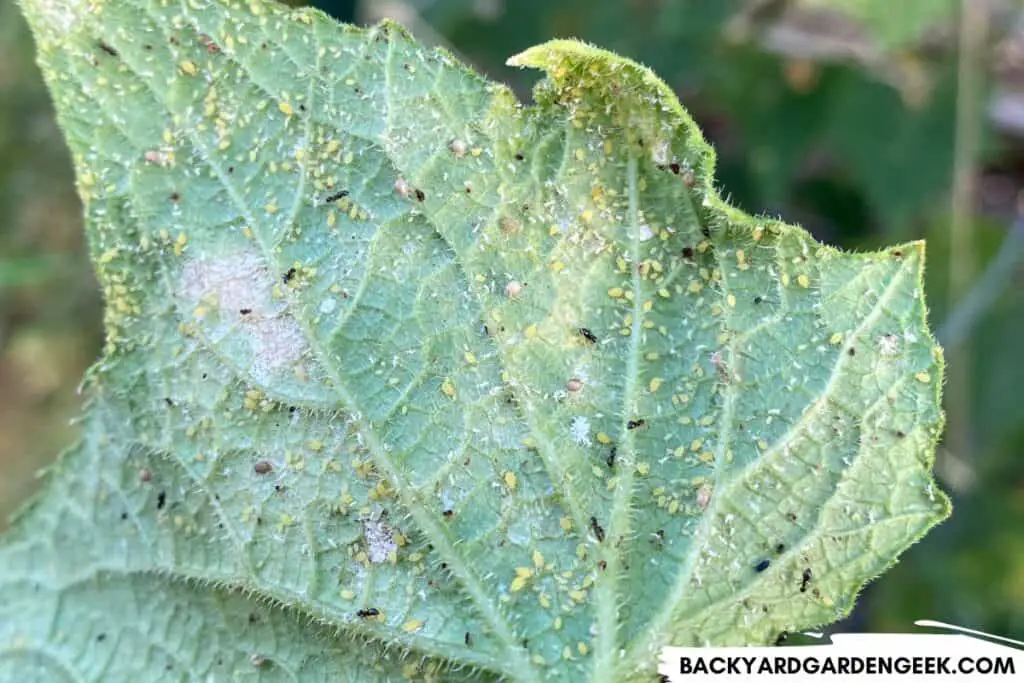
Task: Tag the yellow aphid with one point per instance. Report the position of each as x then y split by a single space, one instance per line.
803 281
189 68
470 357
836 339
285 108
518 584
603 438
510 479
565 523
448 389
412 626
655 384
538 559
615 292
731 300
923 377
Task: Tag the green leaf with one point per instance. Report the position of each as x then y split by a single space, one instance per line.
528 401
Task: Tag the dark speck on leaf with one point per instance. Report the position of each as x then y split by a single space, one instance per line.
420 196
245 311
161 500
761 566
611 456
335 196
519 156
688 252
634 424
366 613
805 579
597 529
175 197
109 50
779 548
588 335
468 639
675 168
287 277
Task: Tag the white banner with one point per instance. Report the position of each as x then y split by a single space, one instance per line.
859 657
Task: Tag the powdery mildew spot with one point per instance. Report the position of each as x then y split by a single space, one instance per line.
240 288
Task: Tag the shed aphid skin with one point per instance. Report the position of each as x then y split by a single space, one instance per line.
257 660
513 289
402 188
574 385
458 147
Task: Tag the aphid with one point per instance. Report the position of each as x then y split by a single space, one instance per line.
597 529
703 497
761 566
263 467
610 460
574 385
805 580
161 500
513 289
634 424
367 613
335 196
602 565
588 335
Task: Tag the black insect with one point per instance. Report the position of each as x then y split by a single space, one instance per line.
335 196
610 460
420 195
805 580
289 275
597 529
779 548
761 566
367 613
468 639
109 50
588 335
244 311
161 500
634 424
758 299
448 514
675 168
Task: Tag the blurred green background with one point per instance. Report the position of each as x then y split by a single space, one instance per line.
869 122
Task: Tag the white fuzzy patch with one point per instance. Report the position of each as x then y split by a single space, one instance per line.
240 288
380 540
579 430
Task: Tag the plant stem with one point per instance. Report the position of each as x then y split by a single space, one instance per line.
974 18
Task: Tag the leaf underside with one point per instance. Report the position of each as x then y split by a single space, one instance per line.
404 378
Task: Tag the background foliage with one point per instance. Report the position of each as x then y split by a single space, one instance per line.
838 114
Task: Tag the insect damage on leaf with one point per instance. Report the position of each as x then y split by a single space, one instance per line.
346 275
